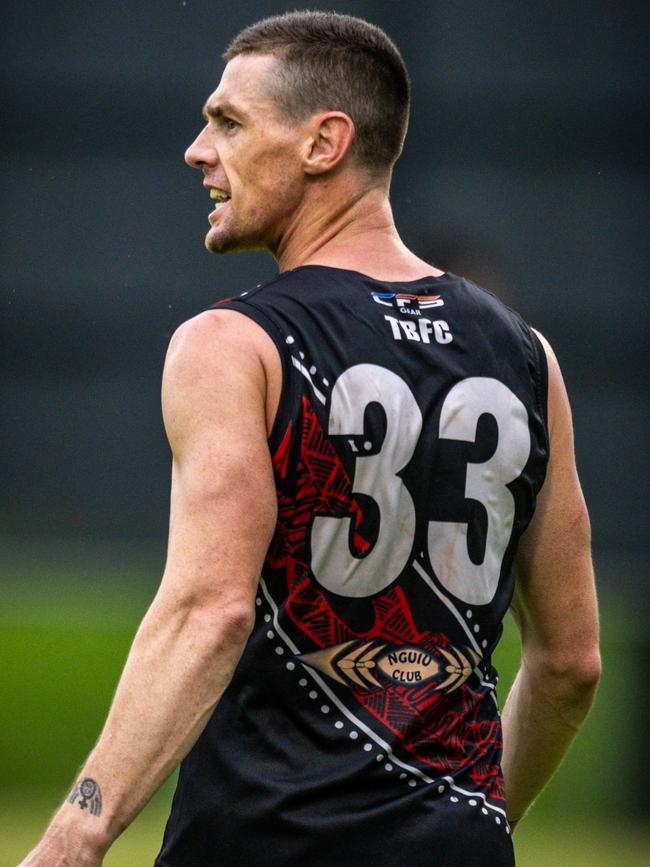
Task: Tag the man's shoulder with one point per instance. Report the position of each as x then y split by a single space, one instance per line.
211 343
215 328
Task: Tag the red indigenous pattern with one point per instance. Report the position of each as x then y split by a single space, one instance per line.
447 732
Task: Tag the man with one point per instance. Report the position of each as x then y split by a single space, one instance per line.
370 435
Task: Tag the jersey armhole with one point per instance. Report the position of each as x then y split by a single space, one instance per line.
283 413
541 382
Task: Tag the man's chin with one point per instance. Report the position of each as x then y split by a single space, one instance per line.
220 242
213 247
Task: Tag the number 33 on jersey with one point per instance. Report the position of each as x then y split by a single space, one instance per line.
377 476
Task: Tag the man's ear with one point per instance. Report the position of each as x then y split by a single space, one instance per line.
331 135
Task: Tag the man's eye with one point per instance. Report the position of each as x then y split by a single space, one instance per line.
228 123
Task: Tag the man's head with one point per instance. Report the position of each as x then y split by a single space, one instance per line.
303 96
340 63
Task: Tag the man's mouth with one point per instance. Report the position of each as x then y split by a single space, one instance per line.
219 196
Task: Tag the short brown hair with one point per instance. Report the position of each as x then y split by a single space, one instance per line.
338 63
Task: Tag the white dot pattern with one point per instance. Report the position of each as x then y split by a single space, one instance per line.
353 733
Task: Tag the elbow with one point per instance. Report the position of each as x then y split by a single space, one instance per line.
584 674
594 669
219 627
230 623
567 685
576 695
237 622
573 677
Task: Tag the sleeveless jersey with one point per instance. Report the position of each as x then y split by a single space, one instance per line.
361 725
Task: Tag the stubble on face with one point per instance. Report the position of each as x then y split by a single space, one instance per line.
259 163
256 217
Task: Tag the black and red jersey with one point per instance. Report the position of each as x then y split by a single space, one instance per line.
361 726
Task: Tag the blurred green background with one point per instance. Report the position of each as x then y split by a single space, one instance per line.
525 169
69 614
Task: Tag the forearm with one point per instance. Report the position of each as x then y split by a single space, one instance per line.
181 661
541 717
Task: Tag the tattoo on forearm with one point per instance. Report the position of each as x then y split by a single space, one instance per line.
89 793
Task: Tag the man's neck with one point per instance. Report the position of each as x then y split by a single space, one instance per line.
351 231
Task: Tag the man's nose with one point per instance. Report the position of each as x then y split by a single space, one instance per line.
201 152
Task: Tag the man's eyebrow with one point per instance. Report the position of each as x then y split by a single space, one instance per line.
218 110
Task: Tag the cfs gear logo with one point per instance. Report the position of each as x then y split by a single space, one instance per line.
404 303
370 665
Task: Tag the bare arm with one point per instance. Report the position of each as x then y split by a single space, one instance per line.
556 613
223 512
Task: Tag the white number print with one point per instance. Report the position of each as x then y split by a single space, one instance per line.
486 482
333 564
